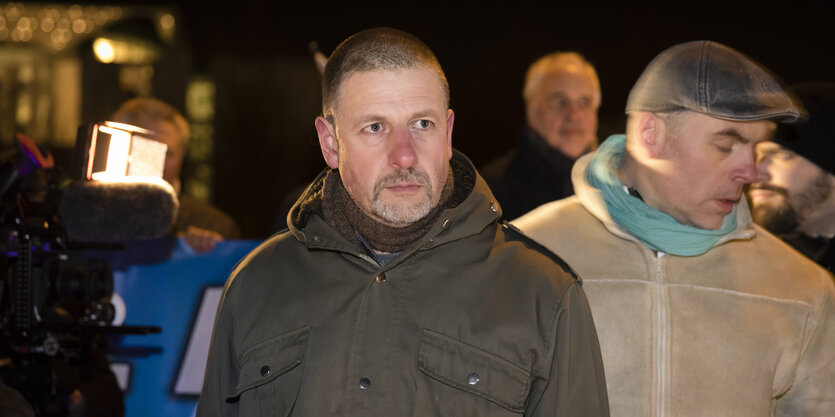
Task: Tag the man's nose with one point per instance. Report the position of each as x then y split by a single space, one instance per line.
763 167
572 110
746 172
402 153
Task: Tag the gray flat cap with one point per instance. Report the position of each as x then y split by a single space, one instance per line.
711 78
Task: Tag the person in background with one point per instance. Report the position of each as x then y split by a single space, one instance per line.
700 312
794 193
201 224
562 96
395 292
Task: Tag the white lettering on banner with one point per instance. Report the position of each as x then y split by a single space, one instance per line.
122 372
190 375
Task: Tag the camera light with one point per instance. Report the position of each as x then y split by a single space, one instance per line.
117 154
119 150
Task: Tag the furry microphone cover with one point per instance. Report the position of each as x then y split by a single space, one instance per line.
110 212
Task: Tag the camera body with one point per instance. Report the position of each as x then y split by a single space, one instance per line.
55 310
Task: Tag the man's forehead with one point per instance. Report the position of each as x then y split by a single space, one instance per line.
385 86
769 146
571 75
564 84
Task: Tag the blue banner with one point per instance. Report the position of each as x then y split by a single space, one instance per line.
161 374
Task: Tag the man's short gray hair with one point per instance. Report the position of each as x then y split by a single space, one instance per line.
555 62
375 49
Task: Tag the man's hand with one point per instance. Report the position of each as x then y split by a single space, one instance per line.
201 240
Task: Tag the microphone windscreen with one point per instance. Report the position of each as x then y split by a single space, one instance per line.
92 211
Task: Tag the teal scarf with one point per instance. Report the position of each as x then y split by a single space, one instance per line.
659 231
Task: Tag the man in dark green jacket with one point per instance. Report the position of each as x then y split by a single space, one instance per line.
395 292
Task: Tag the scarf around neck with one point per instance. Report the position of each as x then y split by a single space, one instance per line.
659 231
342 213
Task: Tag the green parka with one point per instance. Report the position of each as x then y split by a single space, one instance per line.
473 320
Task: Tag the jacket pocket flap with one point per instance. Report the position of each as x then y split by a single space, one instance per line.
471 369
270 359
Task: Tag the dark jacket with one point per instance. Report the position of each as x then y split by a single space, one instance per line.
529 176
473 320
819 249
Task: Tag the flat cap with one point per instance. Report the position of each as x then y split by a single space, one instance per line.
713 79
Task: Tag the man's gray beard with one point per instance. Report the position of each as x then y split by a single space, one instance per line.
401 214
789 215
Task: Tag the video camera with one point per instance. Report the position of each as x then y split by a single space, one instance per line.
54 297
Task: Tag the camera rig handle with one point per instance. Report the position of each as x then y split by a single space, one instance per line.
23 295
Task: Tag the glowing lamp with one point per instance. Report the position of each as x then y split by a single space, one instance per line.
119 152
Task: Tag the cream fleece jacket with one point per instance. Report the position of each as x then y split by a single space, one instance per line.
746 329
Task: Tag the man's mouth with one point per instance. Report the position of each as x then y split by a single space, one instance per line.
571 132
766 191
761 193
727 204
404 187
402 183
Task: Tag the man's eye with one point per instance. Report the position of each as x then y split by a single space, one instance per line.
559 103
584 103
423 124
724 148
375 127
776 155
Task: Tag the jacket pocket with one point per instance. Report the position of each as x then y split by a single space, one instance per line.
270 375
473 370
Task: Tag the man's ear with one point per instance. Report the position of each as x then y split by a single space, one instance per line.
327 141
651 131
450 119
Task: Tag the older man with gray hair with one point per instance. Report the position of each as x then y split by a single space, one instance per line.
700 312
562 95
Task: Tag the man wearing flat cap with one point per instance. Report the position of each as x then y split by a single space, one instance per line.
699 311
794 194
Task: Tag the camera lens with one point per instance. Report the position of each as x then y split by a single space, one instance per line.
99 280
101 312
93 282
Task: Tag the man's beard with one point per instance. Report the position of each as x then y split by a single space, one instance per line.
790 213
402 214
777 218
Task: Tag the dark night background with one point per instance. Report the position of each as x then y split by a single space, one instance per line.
268 93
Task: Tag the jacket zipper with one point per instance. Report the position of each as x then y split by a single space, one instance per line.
661 347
